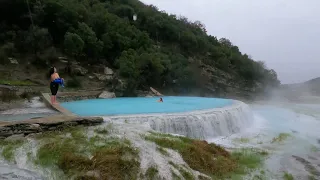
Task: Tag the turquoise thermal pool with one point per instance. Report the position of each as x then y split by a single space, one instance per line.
142 105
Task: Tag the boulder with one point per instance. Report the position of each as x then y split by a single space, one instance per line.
78 70
97 68
107 95
64 61
13 61
108 71
91 77
35 126
103 77
63 58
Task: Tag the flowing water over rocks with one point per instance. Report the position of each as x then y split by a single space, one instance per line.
30 109
289 133
198 124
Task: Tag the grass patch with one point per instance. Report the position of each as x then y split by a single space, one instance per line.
174 165
111 162
186 175
8 148
163 151
311 177
152 173
314 148
281 137
241 140
209 159
174 176
16 82
247 161
287 176
113 158
104 130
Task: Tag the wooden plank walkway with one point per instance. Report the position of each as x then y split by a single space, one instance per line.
57 107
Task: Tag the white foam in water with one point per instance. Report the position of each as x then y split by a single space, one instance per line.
254 129
198 124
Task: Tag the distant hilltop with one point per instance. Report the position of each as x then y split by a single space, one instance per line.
311 87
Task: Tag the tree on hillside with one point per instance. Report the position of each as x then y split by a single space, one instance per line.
37 39
93 46
157 47
73 44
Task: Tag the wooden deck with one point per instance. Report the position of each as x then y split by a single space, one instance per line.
36 125
57 107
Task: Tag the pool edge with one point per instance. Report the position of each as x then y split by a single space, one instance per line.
56 107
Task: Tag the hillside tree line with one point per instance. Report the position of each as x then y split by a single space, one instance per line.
155 48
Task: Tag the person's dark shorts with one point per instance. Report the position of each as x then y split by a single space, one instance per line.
54 87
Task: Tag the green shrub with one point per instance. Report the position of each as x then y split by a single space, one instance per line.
74 83
3 57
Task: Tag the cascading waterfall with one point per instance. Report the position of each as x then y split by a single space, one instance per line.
197 124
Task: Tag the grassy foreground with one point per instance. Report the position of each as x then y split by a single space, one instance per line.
210 159
91 158
76 155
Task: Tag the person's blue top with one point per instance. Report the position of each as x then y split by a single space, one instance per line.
59 81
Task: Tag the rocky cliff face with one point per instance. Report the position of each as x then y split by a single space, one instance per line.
222 84
210 81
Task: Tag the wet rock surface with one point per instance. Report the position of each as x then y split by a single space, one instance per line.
14 173
309 165
107 95
16 130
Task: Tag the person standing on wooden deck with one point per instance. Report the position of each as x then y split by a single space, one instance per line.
54 84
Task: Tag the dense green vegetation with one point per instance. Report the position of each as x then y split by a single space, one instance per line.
154 50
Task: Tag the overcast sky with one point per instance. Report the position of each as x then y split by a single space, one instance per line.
283 33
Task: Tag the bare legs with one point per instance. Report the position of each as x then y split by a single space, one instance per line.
54 100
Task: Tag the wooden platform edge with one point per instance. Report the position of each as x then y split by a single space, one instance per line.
57 107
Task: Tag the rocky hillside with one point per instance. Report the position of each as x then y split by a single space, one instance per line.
123 45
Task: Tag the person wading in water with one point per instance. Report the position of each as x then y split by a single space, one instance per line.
54 85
